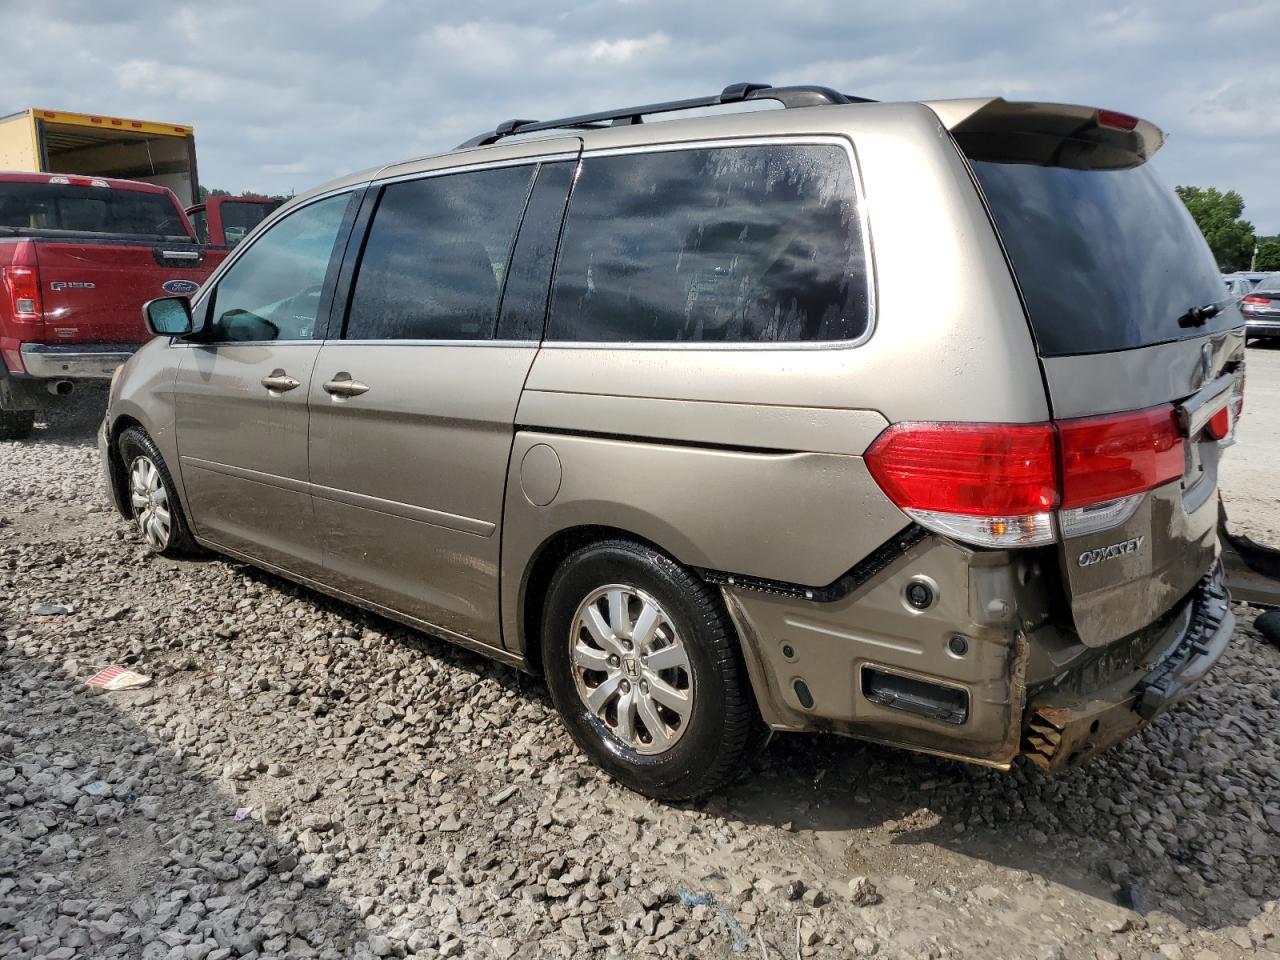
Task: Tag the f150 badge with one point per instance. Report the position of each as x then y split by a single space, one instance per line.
1121 549
71 285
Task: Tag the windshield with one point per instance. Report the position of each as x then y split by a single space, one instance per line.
54 206
1269 283
1106 259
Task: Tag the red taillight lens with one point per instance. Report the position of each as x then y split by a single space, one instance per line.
1116 120
965 468
1219 424
1104 458
23 287
1261 301
1014 475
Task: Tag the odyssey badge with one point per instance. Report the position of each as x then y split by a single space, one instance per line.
1123 548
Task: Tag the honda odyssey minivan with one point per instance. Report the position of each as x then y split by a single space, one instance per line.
669 413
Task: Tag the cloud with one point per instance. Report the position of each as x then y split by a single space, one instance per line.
289 93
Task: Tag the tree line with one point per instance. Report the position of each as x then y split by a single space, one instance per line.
207 192
1232 239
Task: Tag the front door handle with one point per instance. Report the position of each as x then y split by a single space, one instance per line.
279 382
343 386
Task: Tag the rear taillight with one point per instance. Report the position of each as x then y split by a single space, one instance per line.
999 485
22 285
1258 301
1222 426
985 483
1105 458
1219 425
1116 120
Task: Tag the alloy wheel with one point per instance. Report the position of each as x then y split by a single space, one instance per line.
150 502
631 668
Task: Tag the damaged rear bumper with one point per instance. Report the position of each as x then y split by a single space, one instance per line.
1065 729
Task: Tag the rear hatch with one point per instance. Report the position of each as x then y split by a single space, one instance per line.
101 252
1141 347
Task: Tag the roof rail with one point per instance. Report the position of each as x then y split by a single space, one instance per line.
798 96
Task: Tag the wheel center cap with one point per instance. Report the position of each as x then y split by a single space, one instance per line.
631 667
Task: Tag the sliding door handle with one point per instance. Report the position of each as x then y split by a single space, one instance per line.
343 386
280 382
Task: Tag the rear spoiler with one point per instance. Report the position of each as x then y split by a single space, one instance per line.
1049 134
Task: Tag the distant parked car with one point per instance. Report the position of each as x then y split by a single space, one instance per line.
1261 308
1238 286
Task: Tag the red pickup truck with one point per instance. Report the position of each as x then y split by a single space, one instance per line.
79 256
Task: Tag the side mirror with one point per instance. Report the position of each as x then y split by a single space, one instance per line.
168 316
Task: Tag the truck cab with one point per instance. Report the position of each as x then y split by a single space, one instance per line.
225 221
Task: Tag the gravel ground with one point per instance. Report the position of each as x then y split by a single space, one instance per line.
409 798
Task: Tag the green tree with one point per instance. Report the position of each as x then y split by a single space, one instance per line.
1220 218
1268 253
206 193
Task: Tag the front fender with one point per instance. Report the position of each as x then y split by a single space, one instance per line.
143 394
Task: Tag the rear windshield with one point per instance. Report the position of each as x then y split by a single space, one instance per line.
46 207
1106 259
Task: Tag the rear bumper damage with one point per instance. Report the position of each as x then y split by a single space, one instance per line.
1065 729
987 670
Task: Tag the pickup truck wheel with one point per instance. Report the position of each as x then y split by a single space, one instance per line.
644 668
17 424
153 502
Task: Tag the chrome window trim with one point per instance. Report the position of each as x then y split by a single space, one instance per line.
476 166
391 342
829 140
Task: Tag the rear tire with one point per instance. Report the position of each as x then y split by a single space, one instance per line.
152 498
644 668
17 424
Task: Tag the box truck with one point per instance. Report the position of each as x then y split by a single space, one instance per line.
95 145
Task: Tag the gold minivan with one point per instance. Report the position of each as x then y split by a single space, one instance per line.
898 420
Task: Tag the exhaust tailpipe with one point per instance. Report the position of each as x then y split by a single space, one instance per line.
60 388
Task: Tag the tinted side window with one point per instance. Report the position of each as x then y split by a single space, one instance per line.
436 257
273 291
731 244
524 303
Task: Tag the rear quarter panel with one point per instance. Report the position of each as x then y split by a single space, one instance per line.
791 498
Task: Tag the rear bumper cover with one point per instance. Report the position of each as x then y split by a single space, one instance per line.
1064 731
1260 325
809 662
74 361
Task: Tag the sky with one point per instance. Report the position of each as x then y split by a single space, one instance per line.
286 94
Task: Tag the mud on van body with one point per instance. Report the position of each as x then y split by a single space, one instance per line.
900 420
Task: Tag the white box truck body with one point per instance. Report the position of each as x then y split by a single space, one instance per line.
57 141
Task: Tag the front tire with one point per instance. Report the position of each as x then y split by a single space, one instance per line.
152 498
644 669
